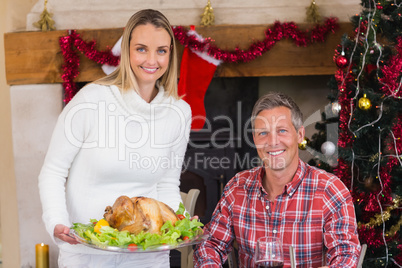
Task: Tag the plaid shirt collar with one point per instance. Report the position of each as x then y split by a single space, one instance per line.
254 185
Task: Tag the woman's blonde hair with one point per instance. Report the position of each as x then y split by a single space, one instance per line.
123 77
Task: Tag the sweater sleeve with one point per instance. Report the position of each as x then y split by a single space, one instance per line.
168 187
68 138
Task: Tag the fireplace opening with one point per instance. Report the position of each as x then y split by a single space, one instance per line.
224 146
190 180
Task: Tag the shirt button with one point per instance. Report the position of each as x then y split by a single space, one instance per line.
274 231
267 207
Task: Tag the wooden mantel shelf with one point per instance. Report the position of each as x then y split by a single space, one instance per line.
35 57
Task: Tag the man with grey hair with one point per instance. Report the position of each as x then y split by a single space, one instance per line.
305 207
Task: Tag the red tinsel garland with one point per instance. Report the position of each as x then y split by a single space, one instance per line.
70 66
272 35
398 258
391 74
373 238
397 131
72 60
370 202
345 140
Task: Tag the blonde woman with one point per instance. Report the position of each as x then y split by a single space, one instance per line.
124 134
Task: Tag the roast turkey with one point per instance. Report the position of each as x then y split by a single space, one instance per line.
139 214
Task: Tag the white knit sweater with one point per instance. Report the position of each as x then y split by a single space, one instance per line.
106 144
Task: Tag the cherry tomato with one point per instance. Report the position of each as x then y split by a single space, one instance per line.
181 216
132 247
186 238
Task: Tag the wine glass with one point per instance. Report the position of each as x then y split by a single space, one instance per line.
269 253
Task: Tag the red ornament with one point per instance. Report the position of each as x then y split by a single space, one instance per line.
370 67
341 62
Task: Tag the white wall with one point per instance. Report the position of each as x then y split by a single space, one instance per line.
35 107
9 225
34 111
92 14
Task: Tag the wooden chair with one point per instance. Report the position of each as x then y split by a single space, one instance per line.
189 201
362 254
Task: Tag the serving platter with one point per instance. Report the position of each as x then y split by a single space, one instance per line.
139 249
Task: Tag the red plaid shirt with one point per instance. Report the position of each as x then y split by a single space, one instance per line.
314 209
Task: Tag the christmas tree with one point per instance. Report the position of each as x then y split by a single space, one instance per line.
366 107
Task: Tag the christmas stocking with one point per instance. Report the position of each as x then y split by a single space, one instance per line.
196 72
116 51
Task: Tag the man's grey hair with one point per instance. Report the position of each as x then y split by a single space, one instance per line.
273 100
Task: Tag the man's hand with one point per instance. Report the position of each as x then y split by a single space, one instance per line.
62 232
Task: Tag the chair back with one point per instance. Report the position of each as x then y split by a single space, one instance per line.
189 200
361 257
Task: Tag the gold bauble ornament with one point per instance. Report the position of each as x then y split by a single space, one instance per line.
364 103
303 145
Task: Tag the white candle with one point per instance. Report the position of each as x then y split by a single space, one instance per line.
42 255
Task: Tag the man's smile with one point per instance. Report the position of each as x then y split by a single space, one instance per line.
276 152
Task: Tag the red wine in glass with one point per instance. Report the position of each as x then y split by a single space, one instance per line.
268 252
269 264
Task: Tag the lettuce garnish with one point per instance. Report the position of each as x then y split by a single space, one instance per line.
170 234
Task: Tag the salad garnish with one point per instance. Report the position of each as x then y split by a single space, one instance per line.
104 235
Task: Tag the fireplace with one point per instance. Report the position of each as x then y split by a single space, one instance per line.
224 146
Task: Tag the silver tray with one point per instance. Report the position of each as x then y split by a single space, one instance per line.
156 248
